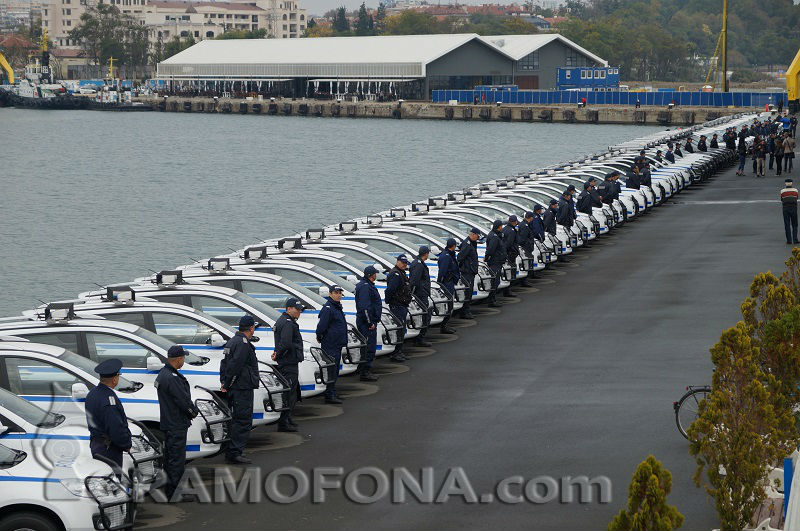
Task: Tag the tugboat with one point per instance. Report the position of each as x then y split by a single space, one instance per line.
37 90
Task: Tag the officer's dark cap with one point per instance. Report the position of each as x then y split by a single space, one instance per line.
108 368
587 185
176 351
246 322
512 218
335 288
370 270
423 250
553 202
529 214
497 224
475 230
614 173
291 302
788 181
451 242
537 207
591 180
402 258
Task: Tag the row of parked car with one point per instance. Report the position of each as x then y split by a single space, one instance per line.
47 354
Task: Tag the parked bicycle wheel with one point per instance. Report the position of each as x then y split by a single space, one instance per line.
686 408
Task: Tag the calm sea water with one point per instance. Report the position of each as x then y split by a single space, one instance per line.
93 197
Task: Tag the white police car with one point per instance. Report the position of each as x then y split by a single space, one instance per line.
59 380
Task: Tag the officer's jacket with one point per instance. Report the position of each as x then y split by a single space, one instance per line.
420 278
597 200
510 240
701 146
106 417
714 144
677 150
671 156
448 270
368 302
537 227
468 258
525 236
288 341
564 214
585 202
398 289
174 399
239 366
605 189
332 327
550 221
495 250
634 180
689 147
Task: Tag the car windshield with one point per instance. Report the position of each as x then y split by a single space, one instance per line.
415 239
286 284
30 412
88 366
524 201
474 217
368 256
258 306
460 226
164 344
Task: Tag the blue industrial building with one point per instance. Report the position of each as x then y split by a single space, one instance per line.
598 79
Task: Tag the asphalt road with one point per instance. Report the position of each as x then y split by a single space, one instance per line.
577 378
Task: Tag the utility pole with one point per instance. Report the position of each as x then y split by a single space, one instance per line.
724 45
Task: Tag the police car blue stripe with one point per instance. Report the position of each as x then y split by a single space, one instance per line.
145 371
29 478
192 447
29 436
201 347
257 416
51 399
309 387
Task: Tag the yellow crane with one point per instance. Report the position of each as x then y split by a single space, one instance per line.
7 68
793 84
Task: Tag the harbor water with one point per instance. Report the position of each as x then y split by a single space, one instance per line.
90 197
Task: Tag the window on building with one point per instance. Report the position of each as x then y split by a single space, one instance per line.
228 16
184 33
571 58
254 18
302 27
209 34
196 33
529 62
568 74
284 27
302 17
602 74
45 12
292 16
597 74
284 16
69 23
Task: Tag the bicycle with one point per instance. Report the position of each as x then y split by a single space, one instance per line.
686 408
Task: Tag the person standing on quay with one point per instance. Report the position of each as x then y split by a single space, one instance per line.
398 296
467 259
288 354
789 203
789 144
332 336
779 154
369 308
239 377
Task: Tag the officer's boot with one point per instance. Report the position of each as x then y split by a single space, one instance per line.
420 340
465 311
493 300
444 328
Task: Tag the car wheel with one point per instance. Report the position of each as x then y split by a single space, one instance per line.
27 520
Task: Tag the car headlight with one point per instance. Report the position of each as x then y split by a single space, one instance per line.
76 486
106 490
208 408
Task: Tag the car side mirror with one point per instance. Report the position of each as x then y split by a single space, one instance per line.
3 429
217 340
435 249
79 391
323 290
154 364
351 278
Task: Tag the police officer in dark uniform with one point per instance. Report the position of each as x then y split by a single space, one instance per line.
177 412
368 314
549 221
525 240
564 216
701 144
495 257
289 354
332 336
659 156
633 179
688 146
467 259
398 297
238 373
597 199
109 435
537 224
420 280
448 277
585 199
669 155
511 243
714 143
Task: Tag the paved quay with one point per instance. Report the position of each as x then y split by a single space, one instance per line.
577 378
